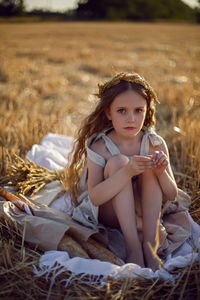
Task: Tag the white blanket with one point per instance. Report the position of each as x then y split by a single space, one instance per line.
52 153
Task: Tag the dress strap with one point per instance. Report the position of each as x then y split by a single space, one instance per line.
155 139
95 157
110 145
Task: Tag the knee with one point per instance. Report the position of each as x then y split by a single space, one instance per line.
148 178
115 163
149 174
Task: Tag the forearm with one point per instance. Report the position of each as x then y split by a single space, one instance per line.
110 187
168 186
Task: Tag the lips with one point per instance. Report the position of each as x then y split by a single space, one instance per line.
129 128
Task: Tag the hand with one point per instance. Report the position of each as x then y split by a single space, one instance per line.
138 164
160 162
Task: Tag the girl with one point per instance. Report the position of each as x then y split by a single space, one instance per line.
120 172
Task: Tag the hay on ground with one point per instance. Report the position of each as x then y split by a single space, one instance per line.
17 280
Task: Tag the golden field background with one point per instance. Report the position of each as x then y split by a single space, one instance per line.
49 73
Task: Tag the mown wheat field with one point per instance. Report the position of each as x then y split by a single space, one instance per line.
49 74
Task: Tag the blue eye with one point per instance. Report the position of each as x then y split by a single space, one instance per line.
121 111
139 110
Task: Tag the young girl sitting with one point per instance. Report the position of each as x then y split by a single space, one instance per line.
120 175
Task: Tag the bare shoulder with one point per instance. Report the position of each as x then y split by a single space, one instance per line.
100 148
95 171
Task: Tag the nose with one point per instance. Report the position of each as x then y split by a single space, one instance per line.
131 117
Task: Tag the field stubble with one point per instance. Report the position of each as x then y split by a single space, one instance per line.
49 73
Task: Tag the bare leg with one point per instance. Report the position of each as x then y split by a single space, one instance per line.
151 200
121 211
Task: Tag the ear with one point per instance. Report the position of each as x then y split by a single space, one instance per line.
107 113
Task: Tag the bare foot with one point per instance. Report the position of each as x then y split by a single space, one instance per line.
152 261
135 259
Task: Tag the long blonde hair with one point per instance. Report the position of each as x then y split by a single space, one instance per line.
97 122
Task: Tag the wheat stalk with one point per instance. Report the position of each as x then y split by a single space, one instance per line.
28 178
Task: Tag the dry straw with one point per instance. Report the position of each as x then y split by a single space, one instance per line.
28 178
17 259
16 270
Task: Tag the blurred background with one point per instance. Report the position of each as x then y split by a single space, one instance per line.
134 10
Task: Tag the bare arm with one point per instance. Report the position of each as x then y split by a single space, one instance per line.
163 171
103 189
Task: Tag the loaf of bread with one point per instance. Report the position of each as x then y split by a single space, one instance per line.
96 251
68 244
87 249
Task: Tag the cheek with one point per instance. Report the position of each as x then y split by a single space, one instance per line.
141 117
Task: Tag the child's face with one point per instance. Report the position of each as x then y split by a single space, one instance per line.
127 113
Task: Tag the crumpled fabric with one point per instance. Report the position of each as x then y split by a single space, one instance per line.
53 263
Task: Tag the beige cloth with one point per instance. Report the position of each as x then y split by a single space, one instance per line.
47 226
49 193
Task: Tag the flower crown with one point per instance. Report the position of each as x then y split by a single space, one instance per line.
129 77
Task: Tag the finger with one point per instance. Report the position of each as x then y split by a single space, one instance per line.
161 160
142 164
141 158
156 155
163 163
145 166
